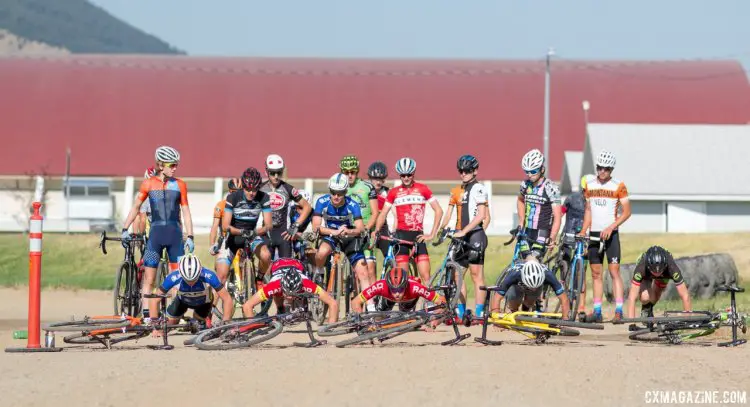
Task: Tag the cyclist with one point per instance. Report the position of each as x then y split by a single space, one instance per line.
574 208
141 224
410 199
287 280
365 195
281 194
538 207
167 197
295 211
343 220
194 284
524 285
241 214
652 273
216 235
605 198
377 173
399 288
470 200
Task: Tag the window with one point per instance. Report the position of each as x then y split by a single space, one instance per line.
81 187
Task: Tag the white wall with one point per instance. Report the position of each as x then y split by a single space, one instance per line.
686 217
728 216
647 217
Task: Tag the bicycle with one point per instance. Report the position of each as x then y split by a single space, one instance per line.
112 329
386 325
389 262
127 288
539 326
248 332
572 275
519 236
676 330
450 274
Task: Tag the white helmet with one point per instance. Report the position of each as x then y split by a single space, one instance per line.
606 159
338 182
532 274
274 162
306 195
406 166
532 160
190 267
167 154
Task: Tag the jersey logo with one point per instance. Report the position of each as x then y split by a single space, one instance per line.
415 217
415 289
615 260
276 200
374 289
295 192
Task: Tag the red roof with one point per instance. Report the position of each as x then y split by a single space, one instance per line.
225 114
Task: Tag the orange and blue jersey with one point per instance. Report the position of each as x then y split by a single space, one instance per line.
165 198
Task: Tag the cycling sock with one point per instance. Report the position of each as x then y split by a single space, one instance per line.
618 305
460 310
597 306
479 310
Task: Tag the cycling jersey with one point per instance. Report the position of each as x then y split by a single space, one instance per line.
539 200
273 288
219 213
382 194
672 272
362 192
335 217
245 213
514 278
466 199
197 294
410 205
280 197
165 199
605 200
573 208
414 290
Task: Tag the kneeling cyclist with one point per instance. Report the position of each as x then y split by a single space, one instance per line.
397 287
652 273
523 287
288 280
194 291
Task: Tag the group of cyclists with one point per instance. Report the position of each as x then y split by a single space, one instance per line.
352 216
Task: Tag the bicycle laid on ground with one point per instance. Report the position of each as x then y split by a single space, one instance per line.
248 332
677 327
539 326
127 289
112 329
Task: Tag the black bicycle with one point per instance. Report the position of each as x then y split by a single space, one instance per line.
127 289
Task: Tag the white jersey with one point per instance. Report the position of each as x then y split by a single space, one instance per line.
605 200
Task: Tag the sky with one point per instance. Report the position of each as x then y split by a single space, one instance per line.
476 29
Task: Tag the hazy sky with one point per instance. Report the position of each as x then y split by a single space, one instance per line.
588 29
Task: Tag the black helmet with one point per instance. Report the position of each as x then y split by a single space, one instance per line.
656 260
291 281
251 179
467 162
234 184
377 170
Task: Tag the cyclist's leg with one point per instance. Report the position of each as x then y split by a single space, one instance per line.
595 261
402 255
463 261
371 263
176 310
260 247
151 258
478 240
613 264
359 266
283 247
321 256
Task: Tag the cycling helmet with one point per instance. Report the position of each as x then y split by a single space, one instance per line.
396 279
166 154
251 179
377 170
467 162
283 263
656 260
533 160
532 274
305 195
291 281
234 184
274 162
338 182
150 172
406 166
349 162
190 268
605 159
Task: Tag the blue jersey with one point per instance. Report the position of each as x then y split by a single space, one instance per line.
514 277
199 293
335 217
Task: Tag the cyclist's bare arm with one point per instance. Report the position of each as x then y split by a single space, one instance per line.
626 212
306 210
214 231
134 210
153 303
556 220
187 218
317 226
487 219
564 304
227 302
267 223
435 205
586 219
684 296
521 210
632 297
247 307
374 214
495 302
357 304
382 216
447 217
359 227
139 226
333 305
226 220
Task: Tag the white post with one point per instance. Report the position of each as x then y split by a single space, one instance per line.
309 187
218 188
129 196
488 188
550 52
38 188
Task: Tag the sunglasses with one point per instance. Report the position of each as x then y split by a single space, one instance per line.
170 165
275 173
399 291
350 172
533 172
406 175
249 189
377 179
337 193
599 168
462 172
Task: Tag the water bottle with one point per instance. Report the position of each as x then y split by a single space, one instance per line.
20 334
49 339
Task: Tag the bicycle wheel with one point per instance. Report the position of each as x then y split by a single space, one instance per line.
560 269
575 294
121 290
238 335
351 325
315 305
384 331
499 281
116 336
558 322
454 278
382 304
88 324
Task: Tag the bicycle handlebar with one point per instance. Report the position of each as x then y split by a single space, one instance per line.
104 239
395 240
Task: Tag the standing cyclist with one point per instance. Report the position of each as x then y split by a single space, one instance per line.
470 200
366 197
538 207
377 173
605 197
280 195
216 235
167 197
143 220
410 199
574 208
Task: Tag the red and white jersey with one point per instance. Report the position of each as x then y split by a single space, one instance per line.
410 205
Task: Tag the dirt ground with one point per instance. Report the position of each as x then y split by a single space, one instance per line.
595 369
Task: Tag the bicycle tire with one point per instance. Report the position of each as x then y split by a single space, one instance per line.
454 268
88 324
315 305
119 300
408 326
559 322
568 332
498 282
274 329
648 335
562 268
575 293
84 338
348 326
381 303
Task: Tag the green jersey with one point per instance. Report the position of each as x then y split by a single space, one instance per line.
362 192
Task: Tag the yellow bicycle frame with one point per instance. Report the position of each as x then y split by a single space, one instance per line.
508 321
237 270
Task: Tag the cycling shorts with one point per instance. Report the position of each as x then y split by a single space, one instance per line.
236 243
612 250
476 239
178 308
351 246
404 250
159 238
528 297
275 242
